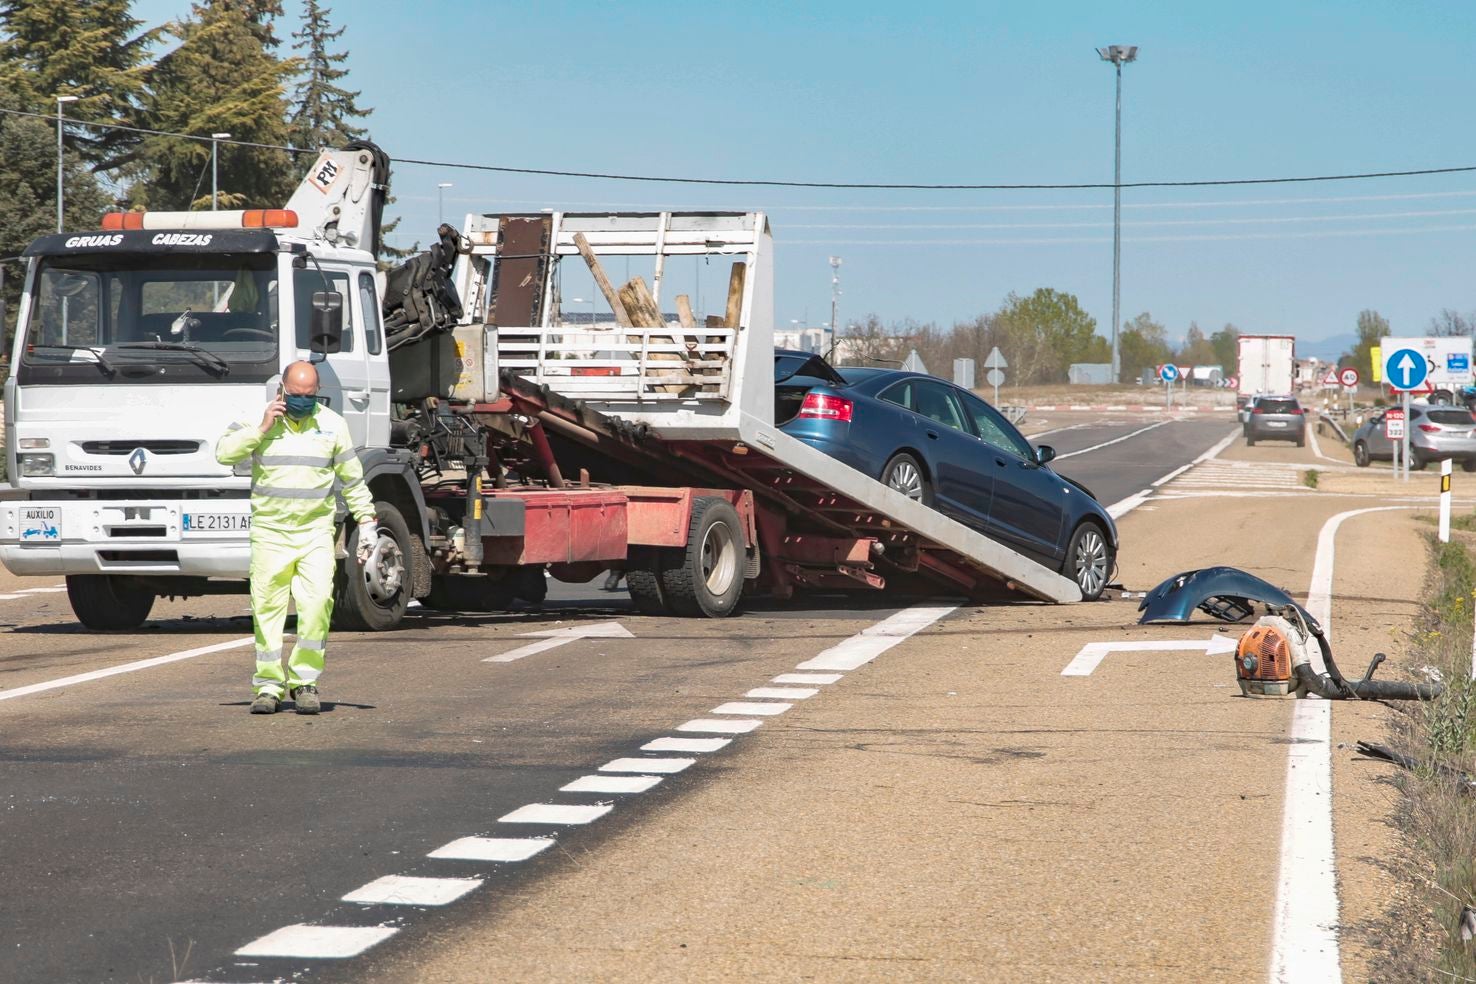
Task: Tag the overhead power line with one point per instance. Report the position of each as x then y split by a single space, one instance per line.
776 183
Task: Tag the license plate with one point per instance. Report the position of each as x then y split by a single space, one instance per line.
40 524
1277 423
217 523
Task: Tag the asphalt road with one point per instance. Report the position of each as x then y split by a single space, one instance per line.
150 827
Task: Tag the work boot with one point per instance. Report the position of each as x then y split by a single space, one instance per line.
264 703
306 698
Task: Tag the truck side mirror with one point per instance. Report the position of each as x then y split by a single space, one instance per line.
326 329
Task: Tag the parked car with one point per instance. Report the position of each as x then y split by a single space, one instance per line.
947 448
1435 432
1276 418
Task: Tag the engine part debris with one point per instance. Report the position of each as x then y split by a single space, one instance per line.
1384 753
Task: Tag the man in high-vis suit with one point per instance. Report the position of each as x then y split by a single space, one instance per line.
296 452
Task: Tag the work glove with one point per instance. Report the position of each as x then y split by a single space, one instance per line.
368 540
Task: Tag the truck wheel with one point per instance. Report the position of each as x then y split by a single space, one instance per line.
1360 455
108 602
706 577
1088 560
375 600
643 580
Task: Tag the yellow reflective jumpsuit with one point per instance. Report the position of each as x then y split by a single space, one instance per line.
293 466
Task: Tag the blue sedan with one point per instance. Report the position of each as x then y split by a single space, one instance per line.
948 449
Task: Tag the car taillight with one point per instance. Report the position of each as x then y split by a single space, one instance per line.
1430 428
1257 410
1295 411
819 406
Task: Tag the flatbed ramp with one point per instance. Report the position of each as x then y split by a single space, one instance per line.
655 398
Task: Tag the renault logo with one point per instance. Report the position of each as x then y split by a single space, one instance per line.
138 461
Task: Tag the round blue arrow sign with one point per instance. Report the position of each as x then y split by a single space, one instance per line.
1406 369
1169 372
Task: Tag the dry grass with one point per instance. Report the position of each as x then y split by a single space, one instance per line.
1420 939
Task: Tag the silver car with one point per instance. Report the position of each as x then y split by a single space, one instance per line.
1435 432
1275 418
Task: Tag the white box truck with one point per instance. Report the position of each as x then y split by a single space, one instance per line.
1268 364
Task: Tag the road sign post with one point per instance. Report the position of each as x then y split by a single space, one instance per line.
1405 369
996 365
1445 500
1168 372
1349 378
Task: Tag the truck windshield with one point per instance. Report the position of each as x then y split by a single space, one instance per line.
152 319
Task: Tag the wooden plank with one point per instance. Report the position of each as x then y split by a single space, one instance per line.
603 282
735 294
684 311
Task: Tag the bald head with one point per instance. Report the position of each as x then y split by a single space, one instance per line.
300 379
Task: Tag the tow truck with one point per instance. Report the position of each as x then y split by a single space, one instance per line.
505 440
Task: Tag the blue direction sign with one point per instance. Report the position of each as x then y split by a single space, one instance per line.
1405 369
1168 372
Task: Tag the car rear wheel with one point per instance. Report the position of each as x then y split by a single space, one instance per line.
1360 455
904 474
1417 461
1089 560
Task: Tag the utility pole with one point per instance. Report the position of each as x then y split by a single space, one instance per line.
835 264
214 171
1118 55
61 101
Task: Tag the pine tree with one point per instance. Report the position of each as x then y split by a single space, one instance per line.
259 14
322 108
95 51
221 78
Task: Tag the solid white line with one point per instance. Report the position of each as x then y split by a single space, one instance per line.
1115 440
407 890
1172 475
610 784
1122 507
782 693
56 590
820 678
561 814
746 707
1221 445
531 649
141 664
665 766
492 848
685 744
1317 446
317 942
1304 934
871 642
729 726
1054 430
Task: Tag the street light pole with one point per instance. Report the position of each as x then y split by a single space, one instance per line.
214 171
1118 55
441 200
60 102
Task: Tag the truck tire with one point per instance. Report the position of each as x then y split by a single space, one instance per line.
706 577
643 580
366 602
108 602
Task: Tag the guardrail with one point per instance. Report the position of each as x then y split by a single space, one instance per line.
1333 425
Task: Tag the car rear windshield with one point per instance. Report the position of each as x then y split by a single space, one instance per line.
1277 406
1460 418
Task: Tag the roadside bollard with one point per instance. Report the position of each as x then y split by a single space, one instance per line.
1445 500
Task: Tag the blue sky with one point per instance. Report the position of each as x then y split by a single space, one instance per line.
971 93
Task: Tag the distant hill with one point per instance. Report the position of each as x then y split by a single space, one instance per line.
1327 349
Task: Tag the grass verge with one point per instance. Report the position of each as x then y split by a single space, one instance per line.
1438 816
1310 477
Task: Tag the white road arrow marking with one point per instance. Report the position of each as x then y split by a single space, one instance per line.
1094 652
553 638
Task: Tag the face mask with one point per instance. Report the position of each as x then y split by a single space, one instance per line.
299 407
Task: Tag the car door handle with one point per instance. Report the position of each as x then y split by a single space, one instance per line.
932 435
1000 462
358 399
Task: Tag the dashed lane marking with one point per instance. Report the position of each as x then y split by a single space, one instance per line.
782 693
748 707
871 642
492 848
663 766
317 942
720 726
820 678
701 745
407 890
557 814
610 784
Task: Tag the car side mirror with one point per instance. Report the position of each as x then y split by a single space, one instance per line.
1045 454
326 328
